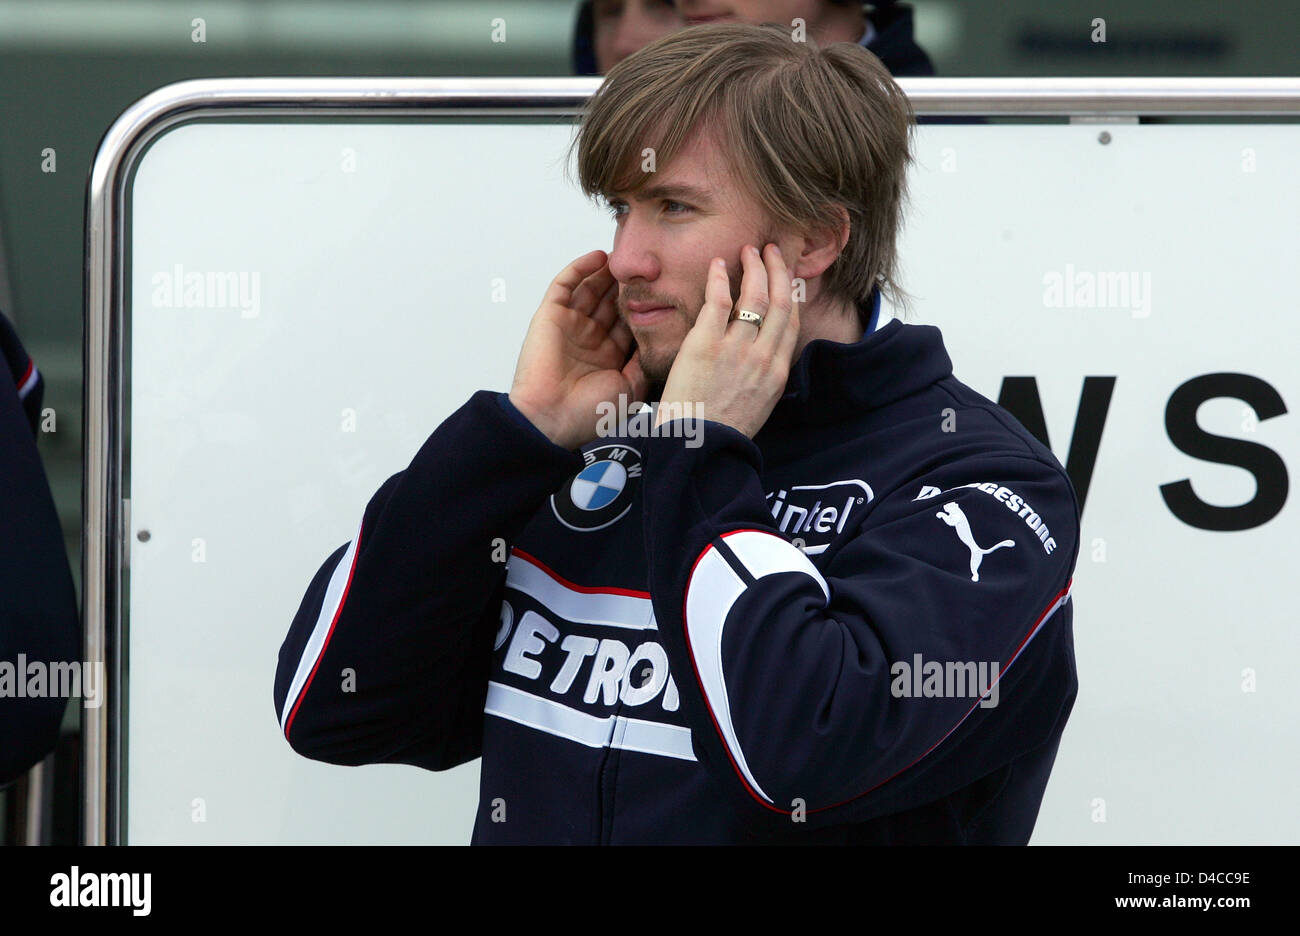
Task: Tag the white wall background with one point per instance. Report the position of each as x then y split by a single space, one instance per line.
376 297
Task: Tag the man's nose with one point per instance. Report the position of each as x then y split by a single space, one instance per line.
634 256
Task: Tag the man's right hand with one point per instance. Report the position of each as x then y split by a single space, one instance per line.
575 355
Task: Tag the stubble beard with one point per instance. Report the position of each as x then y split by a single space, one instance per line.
656 365
657 355
657 361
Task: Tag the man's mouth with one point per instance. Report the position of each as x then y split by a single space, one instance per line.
648 314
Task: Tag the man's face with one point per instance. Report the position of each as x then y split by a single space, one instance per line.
750 11
620 27
666 235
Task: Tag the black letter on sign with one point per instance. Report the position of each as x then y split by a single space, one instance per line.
1189 438
1019 397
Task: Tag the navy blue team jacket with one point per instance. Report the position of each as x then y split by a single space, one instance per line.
38 606
854 628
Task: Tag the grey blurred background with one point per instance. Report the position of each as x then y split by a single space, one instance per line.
68 68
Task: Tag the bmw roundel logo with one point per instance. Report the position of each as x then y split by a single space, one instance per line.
602 491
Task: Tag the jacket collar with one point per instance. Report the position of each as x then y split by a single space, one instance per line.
834 380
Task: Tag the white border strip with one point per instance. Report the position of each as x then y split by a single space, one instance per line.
614 731
580 607
331 604
30 382
712 591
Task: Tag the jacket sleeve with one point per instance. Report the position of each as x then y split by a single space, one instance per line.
38 606
387 658
798 668
27 377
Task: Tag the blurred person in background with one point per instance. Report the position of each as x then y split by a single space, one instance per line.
608 31
38 608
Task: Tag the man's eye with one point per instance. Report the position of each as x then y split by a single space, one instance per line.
618 208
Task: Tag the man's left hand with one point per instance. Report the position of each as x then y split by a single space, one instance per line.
731 371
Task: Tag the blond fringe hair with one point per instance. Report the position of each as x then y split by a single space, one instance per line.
808 130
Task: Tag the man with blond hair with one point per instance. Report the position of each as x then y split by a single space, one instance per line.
818 591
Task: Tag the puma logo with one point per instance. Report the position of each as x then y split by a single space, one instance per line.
953 516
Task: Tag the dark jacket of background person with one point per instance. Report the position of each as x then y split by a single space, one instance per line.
894 42
38 609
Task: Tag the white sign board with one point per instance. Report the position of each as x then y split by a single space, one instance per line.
375 275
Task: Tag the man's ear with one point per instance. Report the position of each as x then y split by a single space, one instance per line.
819 246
